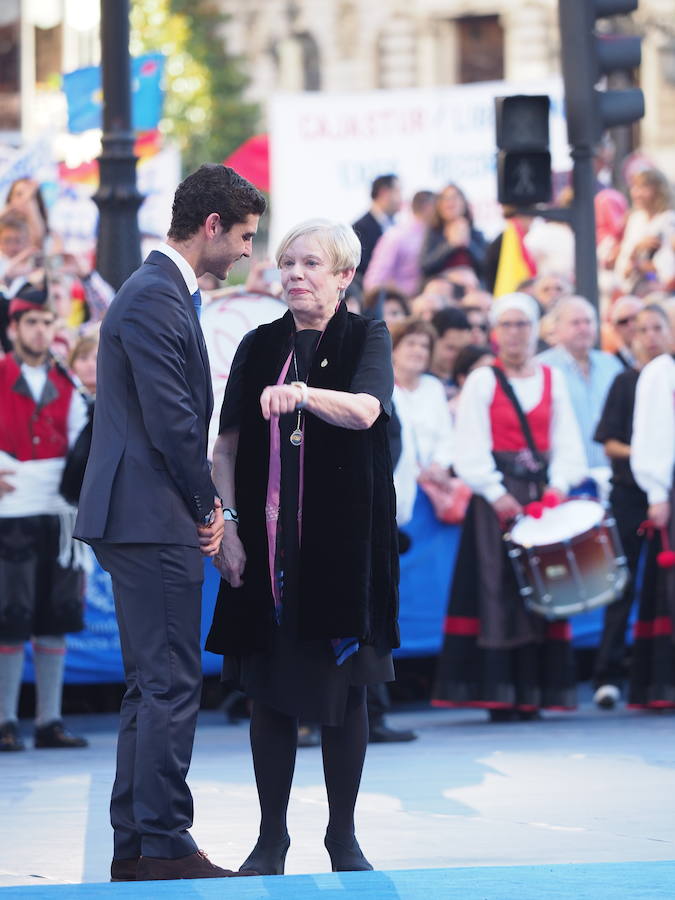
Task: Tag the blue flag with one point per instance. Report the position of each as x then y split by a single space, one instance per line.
85 95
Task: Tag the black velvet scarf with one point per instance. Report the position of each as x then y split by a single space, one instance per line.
348 554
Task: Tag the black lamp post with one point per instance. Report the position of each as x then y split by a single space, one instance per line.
118 200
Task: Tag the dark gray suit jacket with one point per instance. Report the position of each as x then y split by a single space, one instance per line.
147 478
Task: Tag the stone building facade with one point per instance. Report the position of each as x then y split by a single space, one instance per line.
351 45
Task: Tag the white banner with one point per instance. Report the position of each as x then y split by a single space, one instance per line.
326 148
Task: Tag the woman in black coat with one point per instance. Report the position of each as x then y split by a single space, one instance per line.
307 611
452 241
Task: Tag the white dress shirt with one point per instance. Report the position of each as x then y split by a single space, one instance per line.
652 456
184 266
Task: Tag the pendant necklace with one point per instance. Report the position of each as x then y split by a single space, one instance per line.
296 436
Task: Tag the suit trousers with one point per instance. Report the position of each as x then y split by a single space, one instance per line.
157 590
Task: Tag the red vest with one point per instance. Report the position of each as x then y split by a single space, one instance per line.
29 431
507 435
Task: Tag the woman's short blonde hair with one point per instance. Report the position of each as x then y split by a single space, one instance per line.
337 240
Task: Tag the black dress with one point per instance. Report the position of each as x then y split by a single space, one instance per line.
302 678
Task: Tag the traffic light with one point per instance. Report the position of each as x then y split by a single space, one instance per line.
524 160
586 57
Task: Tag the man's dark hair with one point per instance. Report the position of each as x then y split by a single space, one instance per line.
448 318
467 358
213 188
422 199
382 183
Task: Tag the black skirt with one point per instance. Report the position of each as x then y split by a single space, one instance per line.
652 671
37 595
297 677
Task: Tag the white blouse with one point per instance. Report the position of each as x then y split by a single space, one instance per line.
652 455
638 227
474 462
426 437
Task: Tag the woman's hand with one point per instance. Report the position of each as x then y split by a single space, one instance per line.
21 265
458 233
435 473
278 399
231 557
507 508
659 513
647 246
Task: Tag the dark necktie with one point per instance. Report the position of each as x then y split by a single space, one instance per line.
197 300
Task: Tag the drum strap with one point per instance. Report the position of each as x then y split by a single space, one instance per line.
522 418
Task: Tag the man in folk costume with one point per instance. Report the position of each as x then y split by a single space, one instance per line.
41 582
652 676
496 654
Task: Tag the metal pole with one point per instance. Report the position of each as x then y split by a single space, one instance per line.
586 263
118 200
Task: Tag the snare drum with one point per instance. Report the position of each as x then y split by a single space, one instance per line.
569 560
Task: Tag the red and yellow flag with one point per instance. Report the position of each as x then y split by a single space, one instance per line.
515 263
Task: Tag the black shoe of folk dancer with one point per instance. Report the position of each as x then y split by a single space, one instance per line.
346 857
267 858
55 736
10 739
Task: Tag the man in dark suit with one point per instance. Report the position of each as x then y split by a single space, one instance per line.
385 192
149 510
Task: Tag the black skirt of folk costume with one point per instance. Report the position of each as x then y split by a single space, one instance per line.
652 671
301 678
38 596
496 654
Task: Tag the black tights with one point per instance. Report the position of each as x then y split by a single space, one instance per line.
274 740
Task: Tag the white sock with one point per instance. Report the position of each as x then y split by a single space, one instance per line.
11 673
49 659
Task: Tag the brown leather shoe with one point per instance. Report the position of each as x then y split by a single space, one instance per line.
196 865
123 869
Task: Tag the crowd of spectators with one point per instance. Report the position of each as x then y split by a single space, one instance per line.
429 273
432 277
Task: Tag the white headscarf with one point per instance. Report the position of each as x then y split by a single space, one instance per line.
522 302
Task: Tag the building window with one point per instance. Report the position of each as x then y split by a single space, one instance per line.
397 54
48 53
10 76
311 62
480 45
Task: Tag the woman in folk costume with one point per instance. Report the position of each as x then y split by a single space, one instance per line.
652 676
497 655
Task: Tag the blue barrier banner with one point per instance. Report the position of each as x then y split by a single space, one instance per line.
94 655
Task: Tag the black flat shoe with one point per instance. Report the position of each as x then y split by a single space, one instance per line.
55 736
10 740
346 857
383 734
502 715
267 859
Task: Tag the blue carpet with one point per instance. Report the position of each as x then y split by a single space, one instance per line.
588 881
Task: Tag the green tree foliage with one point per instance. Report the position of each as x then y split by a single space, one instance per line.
204 110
